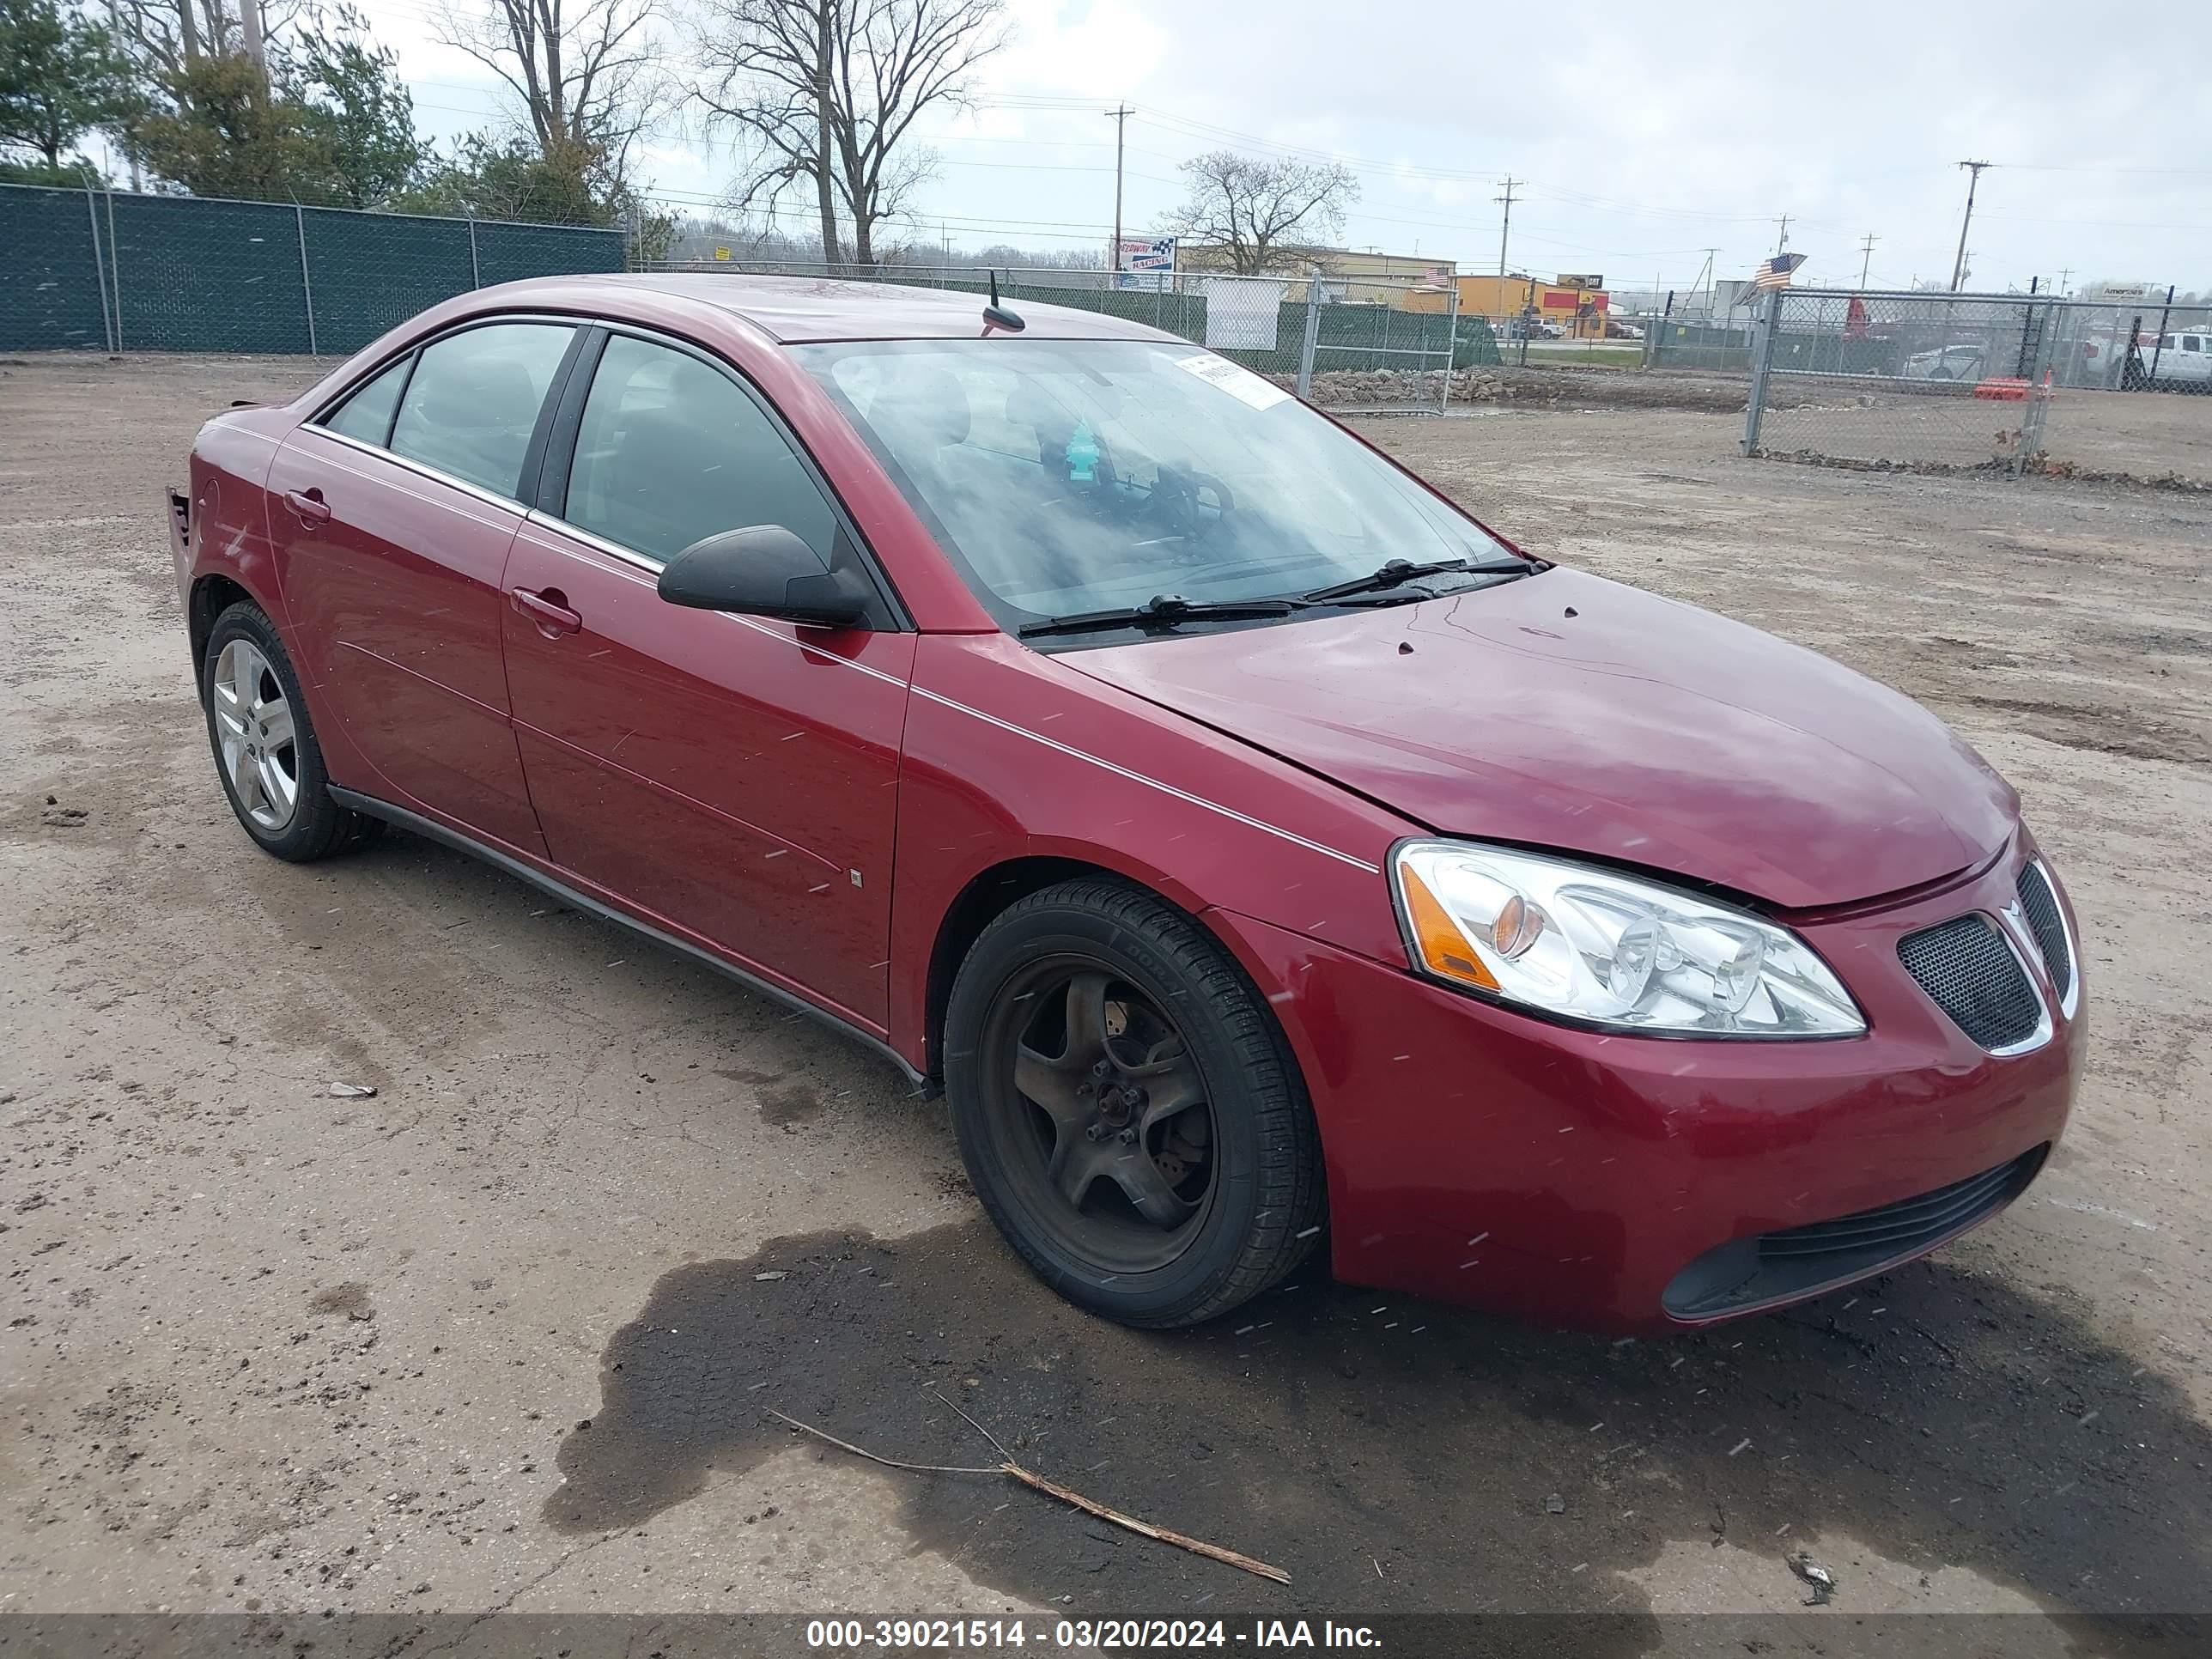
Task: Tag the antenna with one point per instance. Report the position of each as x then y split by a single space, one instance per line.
996 315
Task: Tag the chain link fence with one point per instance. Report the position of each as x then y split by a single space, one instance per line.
2131 345
100 270
1944 380
2007 383
1372 346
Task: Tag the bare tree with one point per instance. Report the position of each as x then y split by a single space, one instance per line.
590 74
1263 215
769 69
829 91
167 34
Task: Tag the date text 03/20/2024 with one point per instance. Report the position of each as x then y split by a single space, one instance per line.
1082 1634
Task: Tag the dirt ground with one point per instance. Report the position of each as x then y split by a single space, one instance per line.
2161 438
504 1335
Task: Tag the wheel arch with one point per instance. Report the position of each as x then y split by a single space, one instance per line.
212 593
994 890
987 895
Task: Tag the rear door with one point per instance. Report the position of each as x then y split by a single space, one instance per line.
396 509
734 778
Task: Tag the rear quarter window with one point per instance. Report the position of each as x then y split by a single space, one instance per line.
366 414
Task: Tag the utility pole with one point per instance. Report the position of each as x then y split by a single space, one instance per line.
1973 179
1865 261
1118 115
1782 245
1710 271
1506 227
2064 273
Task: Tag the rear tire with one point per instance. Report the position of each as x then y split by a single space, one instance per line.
266 753
1128 1109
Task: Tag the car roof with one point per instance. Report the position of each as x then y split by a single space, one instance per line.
792 309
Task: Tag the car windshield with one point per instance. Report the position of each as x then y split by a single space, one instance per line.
1065 477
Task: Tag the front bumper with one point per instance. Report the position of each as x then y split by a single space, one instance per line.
1484 1157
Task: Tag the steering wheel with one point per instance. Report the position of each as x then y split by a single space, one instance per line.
1189 503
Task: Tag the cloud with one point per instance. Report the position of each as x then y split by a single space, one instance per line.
1644 136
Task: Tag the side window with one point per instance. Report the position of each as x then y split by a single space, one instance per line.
368 414
671 451
474 399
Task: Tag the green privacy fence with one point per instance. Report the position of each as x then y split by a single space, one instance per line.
98 271
1349 335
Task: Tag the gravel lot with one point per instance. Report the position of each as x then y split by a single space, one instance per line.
504 1335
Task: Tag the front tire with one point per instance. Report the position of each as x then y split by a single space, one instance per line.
265 753
1128 1109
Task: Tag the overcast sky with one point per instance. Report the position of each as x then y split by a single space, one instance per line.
1645 135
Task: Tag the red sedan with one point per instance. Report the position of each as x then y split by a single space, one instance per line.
1260 855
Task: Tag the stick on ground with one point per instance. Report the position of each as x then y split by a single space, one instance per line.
1036 1482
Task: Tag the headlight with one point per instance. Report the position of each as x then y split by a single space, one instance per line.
1587 944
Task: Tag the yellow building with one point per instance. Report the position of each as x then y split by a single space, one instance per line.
1577 302
1362 277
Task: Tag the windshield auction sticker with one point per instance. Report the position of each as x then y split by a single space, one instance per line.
1238 382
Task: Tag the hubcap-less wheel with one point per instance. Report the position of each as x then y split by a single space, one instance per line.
1098 1109
254 729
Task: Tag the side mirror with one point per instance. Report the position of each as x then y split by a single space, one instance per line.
764 571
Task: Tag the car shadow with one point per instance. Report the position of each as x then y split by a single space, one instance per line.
1400 1456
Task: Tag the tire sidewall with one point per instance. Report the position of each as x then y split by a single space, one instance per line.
1213 1255
307 830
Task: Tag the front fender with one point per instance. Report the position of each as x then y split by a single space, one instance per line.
1008 755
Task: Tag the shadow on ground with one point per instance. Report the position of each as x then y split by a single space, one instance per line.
1397 1457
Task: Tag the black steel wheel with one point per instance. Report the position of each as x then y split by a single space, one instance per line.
1127 1107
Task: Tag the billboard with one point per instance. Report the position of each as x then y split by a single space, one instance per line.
1144 262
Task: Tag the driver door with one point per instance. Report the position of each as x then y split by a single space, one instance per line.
731 779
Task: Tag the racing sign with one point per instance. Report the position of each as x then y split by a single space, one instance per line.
1144 262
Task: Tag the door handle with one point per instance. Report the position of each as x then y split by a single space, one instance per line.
549 610
309 505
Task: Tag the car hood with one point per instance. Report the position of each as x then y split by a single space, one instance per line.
1565 711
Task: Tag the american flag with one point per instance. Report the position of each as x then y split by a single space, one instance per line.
1775 273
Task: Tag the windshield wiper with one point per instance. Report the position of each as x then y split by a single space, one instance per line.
1398 572
1162 611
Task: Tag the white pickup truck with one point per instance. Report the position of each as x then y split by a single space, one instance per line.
2182 358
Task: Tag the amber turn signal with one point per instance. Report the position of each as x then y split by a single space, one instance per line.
1444 948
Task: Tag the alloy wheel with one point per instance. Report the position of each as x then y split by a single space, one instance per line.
254 731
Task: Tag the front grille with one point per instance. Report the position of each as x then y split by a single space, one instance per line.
1972 974
2044 920
1802 1260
